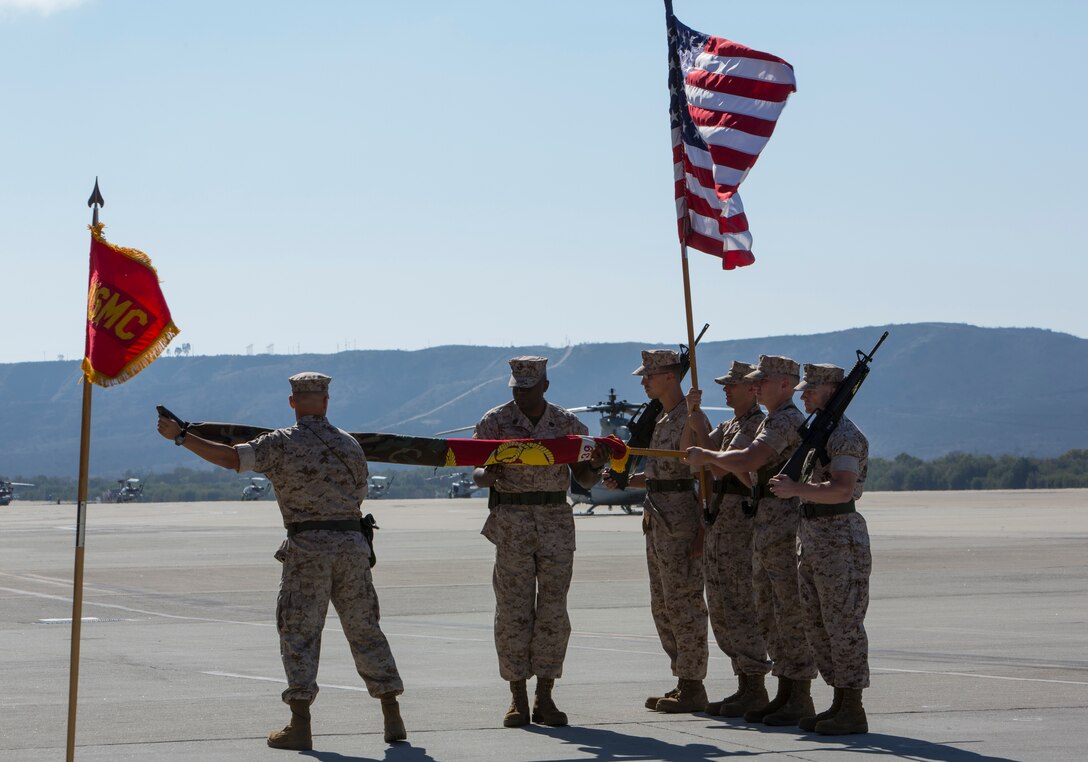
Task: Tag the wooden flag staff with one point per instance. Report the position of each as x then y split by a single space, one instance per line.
650 452
704 477
95 202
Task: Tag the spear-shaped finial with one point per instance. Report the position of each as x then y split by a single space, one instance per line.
96 201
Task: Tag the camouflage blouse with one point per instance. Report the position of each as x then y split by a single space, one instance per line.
318 470
508 422
780 429
670 425
739 432
848 450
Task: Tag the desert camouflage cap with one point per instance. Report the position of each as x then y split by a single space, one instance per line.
309 381
656 361
820 373
736 374
774 365
528 371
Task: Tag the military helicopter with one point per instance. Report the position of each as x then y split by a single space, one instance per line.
257 487
7 490
615 417
459 484
377 486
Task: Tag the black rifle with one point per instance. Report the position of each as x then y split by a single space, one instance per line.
817 429
642 425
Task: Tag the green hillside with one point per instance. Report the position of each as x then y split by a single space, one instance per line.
935 389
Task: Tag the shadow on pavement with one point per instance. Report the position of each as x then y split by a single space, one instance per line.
900 746
332 756
876 744
610 746
400 752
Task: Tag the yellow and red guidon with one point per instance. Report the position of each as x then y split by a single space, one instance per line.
128 321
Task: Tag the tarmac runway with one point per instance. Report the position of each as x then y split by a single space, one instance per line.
977 627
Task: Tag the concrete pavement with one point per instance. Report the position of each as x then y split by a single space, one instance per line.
977 627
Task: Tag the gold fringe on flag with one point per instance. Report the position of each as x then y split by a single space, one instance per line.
136 254
157 346
145 358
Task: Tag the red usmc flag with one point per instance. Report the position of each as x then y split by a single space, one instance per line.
128 322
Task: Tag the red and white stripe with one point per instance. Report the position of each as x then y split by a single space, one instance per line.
734 96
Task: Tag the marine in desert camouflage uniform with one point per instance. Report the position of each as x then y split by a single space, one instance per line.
532 528
836 560
673 525
320 476
774 538
727 552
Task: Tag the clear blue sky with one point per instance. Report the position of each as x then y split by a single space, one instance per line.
408 174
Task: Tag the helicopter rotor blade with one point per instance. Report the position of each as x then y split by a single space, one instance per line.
454 431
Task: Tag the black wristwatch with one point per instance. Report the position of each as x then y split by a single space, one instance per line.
180 437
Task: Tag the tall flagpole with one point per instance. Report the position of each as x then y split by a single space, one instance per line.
676 89
704 485
687 310
95 202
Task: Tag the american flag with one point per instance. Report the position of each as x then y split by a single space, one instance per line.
724 103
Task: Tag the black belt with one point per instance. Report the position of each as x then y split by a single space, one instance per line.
817 511
529 498
340 525
760 491
731 485
670 485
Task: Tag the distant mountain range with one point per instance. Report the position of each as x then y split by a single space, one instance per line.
935 388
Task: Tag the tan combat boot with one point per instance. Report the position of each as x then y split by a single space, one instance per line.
799 705
714 707
809 723
849 719
651 702
754 696
518 713
296 735
545 711
394 725
691 698
758 713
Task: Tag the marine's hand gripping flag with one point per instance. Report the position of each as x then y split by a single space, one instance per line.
724 102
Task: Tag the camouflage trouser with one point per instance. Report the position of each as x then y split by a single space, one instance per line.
730 597
319 567
534 560
676 581
774 541
835 565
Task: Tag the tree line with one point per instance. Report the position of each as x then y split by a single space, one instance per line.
955 471
963 471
